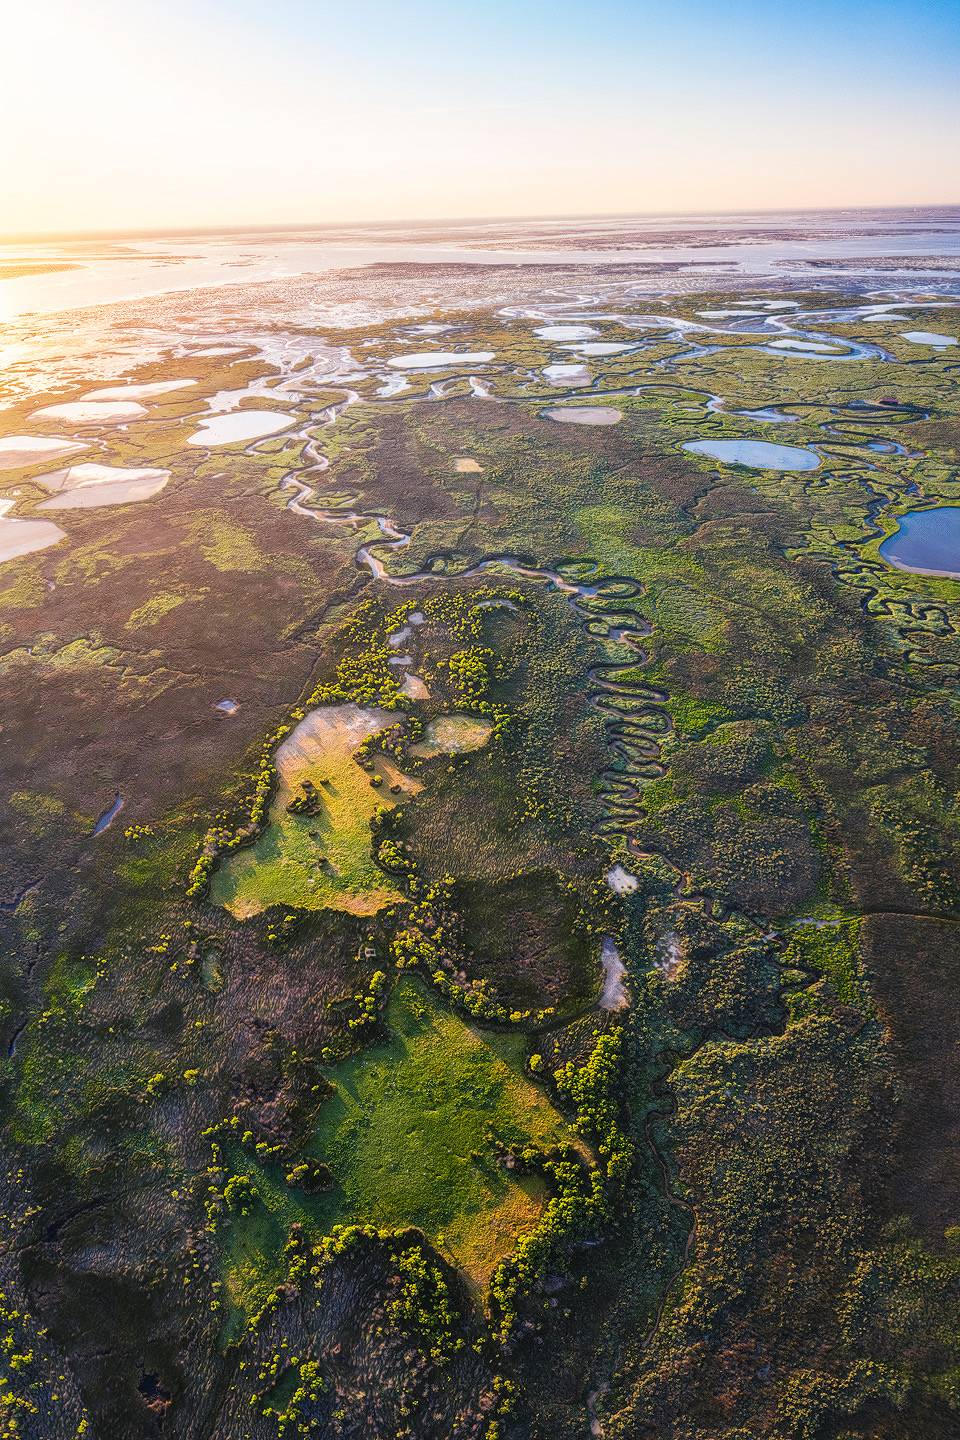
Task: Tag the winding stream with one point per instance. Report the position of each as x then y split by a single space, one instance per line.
635 720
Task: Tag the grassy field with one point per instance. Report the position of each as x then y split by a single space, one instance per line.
408 1133
322 859
452 735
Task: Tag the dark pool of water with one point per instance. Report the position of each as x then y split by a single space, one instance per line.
109 815
926 541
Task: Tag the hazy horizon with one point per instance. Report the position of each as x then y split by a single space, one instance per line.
401 222
214 117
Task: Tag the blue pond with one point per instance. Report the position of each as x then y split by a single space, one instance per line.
758 454
927 541
108 816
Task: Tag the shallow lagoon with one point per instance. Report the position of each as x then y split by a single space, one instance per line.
87 486
928 337
92 412
583 414
22 537
17 450
239 425
926 542
439 359
757 454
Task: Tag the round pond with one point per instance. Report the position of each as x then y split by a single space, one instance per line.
926 542
757 454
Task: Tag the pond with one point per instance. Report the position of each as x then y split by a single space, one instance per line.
566 332
92 412
757 454
928 337
583 414
926 542
769 415
813 346
598 347
22 537
562 376
88 486
239 425
439 359
17 450
107 816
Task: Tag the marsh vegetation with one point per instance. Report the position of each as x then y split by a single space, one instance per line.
482 891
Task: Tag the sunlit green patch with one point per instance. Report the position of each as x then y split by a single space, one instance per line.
227 546
453 735
87 564
830 948
36 810
26 592
78 654
154 609
692 716
408 1133
320 857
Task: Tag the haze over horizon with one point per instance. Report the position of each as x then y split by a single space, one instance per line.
217 116
431 224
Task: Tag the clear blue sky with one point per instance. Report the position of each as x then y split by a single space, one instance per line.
214 113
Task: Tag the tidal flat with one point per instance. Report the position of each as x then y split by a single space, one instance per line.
148 391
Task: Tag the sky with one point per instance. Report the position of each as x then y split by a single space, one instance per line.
166 114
